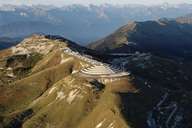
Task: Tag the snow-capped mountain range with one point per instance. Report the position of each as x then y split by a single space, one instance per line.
88 23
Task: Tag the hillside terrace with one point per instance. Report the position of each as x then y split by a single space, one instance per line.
102 72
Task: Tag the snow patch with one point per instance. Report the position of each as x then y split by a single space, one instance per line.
72 95
82 65
23 14
60 95
102 15
88 85
111 125
35 44
35 101
7 8
75 71
51 90
11 75
100 124
65 60
84 57
9 69
19 50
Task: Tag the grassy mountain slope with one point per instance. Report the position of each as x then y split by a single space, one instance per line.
164 37
40 88
158 56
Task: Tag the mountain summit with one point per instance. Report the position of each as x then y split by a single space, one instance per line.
80 23
49 81
165 37
158 56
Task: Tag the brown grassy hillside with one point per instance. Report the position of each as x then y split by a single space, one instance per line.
44 89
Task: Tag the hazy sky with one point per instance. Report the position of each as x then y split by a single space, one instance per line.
86 2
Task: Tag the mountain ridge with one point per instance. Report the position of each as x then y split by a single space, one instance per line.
157 37
45 89
42 85
94 21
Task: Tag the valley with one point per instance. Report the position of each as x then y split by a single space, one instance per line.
128 66
52 80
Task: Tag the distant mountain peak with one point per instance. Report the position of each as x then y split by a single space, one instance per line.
130 26
185 19
158 37
8 7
